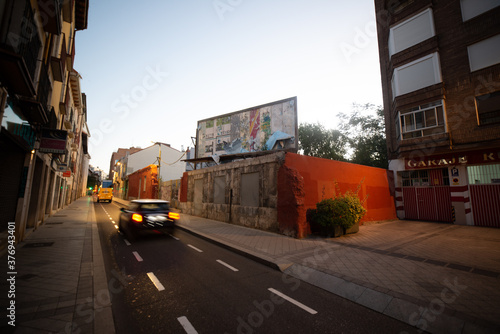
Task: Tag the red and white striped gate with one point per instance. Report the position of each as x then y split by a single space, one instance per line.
485 202
428 203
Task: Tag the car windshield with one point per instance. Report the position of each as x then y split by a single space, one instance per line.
154 207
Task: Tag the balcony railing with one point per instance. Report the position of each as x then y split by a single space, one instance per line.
44 87
30 43
51 15
19 48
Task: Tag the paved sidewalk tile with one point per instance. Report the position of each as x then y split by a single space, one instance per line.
55 275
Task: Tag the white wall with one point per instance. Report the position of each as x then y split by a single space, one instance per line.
172 167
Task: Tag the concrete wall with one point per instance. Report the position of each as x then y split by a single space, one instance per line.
312 179
169 191
288 185
231 210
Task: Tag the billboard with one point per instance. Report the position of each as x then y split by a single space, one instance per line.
268 127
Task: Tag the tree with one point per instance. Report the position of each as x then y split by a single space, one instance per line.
364 129
319 142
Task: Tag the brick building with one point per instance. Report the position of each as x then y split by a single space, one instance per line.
440 69
143 183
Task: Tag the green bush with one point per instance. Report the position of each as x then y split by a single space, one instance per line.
344 210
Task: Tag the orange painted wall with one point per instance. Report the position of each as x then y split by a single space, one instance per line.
319 183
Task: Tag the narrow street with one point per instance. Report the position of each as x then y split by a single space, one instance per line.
163 283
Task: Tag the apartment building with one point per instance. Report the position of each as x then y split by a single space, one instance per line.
43 134
440 69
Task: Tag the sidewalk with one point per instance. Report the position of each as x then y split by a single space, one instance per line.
60 285
440 278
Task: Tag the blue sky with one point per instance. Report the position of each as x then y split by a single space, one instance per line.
151 69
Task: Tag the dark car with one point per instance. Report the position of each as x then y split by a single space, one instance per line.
146 214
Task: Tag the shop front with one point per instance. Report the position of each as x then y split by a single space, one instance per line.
461 188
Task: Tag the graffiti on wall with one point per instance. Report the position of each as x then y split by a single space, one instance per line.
264 128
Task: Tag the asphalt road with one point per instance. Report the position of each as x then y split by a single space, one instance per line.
178 283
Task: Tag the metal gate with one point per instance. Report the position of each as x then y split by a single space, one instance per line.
428 203
485 203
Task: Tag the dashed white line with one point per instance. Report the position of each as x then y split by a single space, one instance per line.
187 325
137 256
116 226
196 249
113 221
293 301
227 265
127 242
110 218
156 282
174 237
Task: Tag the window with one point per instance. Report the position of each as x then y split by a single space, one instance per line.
484 54
418 74
485 174
424 120
473 8
411 32
415 178
488 108
397 6
154 207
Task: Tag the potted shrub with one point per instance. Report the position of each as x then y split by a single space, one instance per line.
337 216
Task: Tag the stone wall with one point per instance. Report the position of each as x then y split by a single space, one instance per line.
231 198
169 191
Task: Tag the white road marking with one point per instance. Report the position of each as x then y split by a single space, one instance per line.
137 256
116 226
187 325
173 237
110 218
156 282
196 249
113 221
127 242
293 301
227 265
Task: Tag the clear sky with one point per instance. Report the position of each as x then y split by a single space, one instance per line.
151 69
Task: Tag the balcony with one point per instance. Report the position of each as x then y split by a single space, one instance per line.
67 123
51 15
58 65
18 56
74 79
81 14
67 10
36 110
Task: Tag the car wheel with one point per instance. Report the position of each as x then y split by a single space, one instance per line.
129 234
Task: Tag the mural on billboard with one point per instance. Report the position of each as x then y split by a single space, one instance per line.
269 127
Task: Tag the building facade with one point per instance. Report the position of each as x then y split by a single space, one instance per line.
43 134
171 168
440 70
143 183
